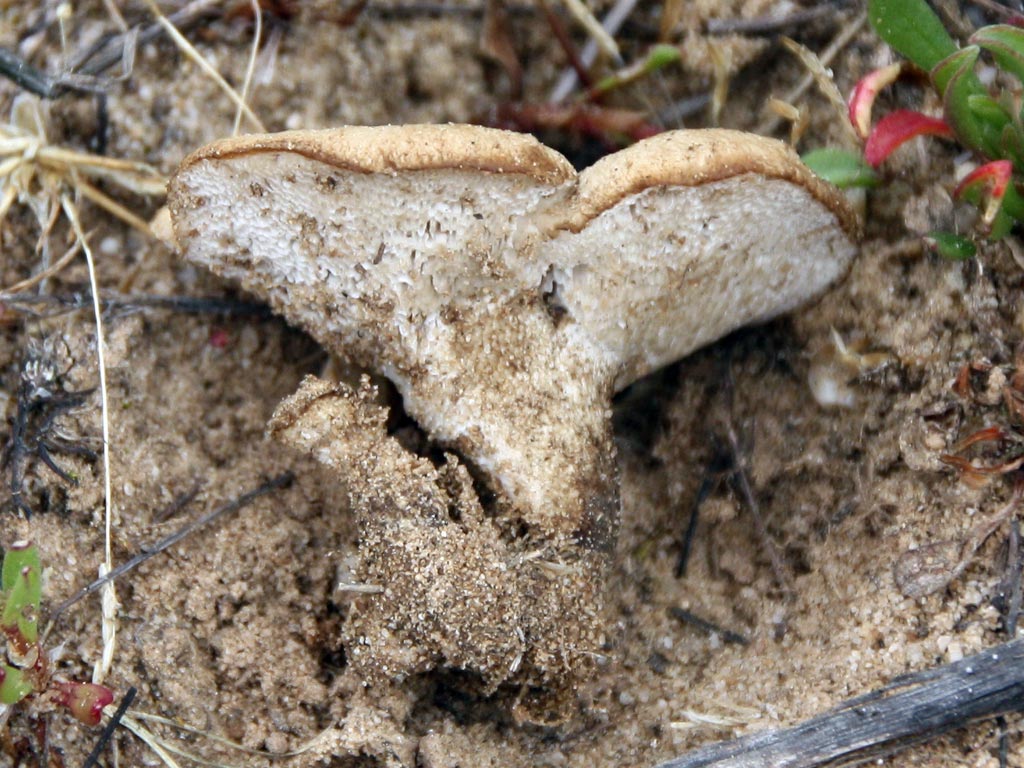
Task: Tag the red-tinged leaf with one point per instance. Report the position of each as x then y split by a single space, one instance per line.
993 434
897 128
986 186
991 177
85 700
975 476
862 100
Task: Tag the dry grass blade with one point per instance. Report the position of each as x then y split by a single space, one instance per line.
251 66
597 33
50 271
197 58
182 728
150 739
38 173
109 623
825 82
846 34
614 19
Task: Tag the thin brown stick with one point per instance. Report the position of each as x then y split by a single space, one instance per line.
742 480
572 55
148 552
53 269
689 617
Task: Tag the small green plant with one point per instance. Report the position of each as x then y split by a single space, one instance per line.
24 665
986 120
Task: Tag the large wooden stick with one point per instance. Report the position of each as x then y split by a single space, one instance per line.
909 710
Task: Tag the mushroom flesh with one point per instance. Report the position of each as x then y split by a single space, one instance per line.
506 296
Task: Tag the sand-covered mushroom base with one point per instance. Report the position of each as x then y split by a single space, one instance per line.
436 584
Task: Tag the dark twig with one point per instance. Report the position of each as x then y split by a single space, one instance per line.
109 52
85 68
195 305
180 502
708 483
100 138
926 705
414 10
741 481
40 401
33 80
719 464
108 731
572 55
52 86
1012 579
148 552
687 617
766 25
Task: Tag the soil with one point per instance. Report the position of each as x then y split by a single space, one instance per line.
839 415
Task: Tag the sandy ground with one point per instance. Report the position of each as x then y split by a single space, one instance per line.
236 631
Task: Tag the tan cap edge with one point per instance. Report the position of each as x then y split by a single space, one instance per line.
394 148
695 157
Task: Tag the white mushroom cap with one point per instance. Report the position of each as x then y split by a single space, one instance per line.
506 296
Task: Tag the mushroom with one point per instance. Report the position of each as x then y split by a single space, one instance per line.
507 297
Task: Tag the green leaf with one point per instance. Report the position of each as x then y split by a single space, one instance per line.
661 56
14 684
1006 44
1001 225
912 29
658 57
950 246
22 590
1011 146
988 110
1013 202
842 167
957 64
954 78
